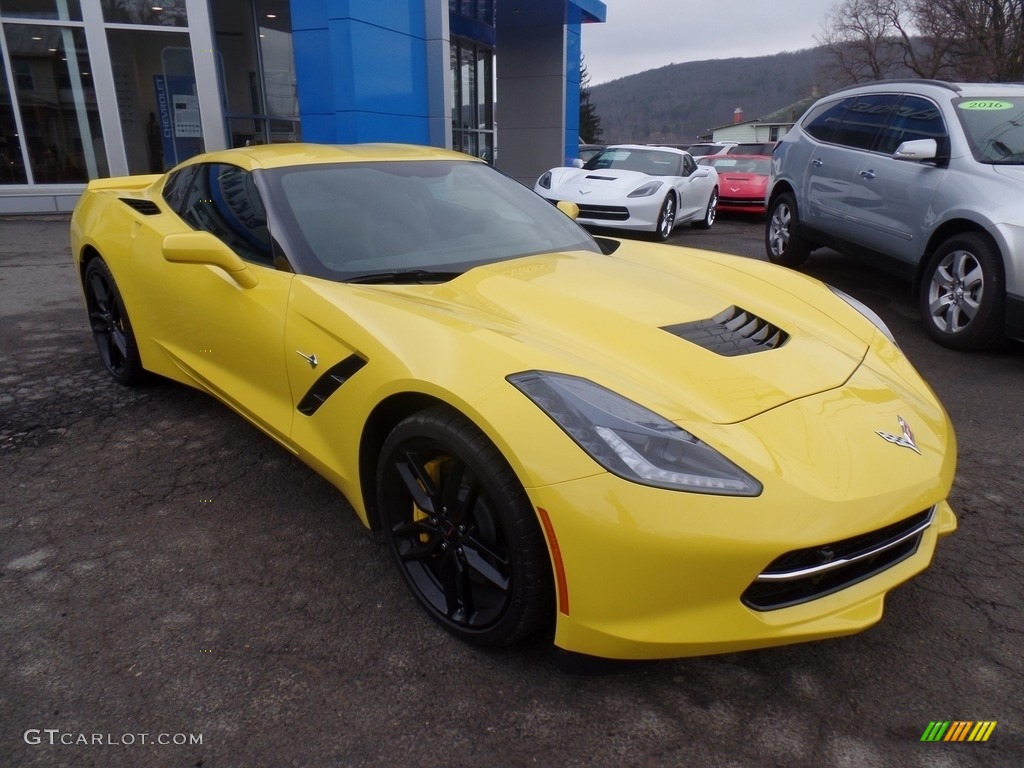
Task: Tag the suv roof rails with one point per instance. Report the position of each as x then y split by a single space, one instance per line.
955 87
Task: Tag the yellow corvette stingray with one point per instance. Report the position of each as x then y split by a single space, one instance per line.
664 451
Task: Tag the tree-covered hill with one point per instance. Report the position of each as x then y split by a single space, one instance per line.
680 102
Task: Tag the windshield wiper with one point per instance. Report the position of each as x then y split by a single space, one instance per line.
400 276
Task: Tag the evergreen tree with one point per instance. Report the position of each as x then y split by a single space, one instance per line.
590 121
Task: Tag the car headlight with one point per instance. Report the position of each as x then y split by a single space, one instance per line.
865 310
545 180
631 441
646 190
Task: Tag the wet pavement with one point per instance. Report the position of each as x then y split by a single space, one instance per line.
177 590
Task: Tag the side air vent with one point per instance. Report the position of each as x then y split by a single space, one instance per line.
731 332
145 207
329 383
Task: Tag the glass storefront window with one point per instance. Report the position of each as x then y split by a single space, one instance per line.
156 98
473 110
165 13
254 50
12 164
55 94
60 10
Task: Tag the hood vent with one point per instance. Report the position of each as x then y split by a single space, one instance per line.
145 207
602 178
732 332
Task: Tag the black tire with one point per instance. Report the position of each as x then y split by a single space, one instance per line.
666 218
782 240
709 213
462 531
111 327
963 293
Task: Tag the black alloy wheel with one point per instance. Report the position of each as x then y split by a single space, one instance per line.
462 531
111 327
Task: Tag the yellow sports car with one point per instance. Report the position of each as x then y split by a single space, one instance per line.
663 451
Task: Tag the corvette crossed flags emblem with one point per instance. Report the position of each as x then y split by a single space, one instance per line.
906 440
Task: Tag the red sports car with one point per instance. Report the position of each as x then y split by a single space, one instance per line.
742 181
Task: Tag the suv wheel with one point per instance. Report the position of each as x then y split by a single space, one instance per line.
963 293
782 240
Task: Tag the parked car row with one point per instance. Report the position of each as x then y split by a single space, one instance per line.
924 178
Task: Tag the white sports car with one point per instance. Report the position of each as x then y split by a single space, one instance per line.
637 187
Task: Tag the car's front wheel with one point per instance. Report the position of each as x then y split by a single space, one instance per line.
782 238
963 293
111 327
666 218
709 213
462 531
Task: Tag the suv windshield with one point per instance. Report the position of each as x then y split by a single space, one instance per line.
994 128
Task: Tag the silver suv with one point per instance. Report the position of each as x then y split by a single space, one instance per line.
924 177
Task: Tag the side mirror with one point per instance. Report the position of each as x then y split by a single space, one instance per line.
577 163
569 208
204 248
917 151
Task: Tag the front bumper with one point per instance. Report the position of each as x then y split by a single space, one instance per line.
651 574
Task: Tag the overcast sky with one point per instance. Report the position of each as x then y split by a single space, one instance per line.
647 34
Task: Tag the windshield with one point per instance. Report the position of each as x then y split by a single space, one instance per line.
994 128
739 164
653 162
348 220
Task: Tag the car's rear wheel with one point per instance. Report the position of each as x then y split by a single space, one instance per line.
963 293
111 327
782 238
709 213
666 218
462 531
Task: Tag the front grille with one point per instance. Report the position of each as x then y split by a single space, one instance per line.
604 212
807 574
731 332
145 207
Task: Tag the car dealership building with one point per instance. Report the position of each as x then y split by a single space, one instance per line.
94 88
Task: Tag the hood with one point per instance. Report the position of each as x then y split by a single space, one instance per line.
1015 172
603 181
651 331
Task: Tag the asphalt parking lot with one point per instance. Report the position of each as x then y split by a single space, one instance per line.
177 590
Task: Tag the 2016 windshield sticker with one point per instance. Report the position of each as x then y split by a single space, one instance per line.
983 104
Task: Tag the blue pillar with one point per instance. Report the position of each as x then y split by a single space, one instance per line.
362 68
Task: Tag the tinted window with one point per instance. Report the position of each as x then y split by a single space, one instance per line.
916 118
864 120
177 187
824 119
346 220
224 201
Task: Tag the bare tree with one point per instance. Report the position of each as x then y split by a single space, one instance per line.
977 40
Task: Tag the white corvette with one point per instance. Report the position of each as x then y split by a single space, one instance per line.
637 187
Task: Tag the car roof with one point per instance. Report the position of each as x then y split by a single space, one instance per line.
934 88
283 155
657 147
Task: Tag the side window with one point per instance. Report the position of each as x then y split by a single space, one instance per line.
864 120
224 201
916 118
822 122
177 187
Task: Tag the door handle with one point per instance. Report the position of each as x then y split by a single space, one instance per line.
817 163
868 174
